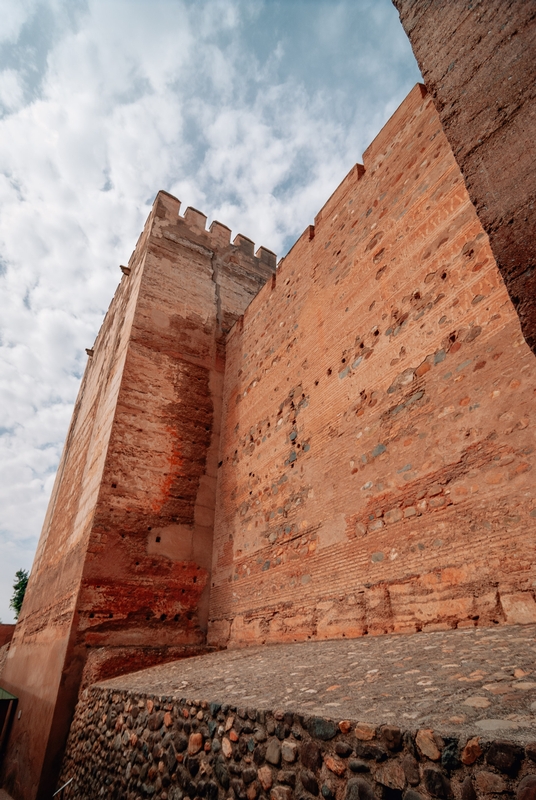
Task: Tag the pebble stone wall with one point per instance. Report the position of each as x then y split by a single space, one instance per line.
131 746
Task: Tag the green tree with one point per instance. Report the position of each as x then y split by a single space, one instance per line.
19 588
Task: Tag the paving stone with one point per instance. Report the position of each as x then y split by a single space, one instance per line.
322 728
358 789
273 752
427 744
505 756
436 783
490 782
411 769
455 655
471 751
356 765
289 751
468 790
265 777
335 765
310 756
391 774
527 788
309 781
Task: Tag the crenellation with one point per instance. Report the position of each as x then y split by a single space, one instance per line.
195 219
245 244
267 257
221 233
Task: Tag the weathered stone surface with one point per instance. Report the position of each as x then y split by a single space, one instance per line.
309 781
468 790
273 752
527 788
391 774
358 789
321 728
195 743
411 769
289 751
471 751
335 765
436 782
152 758
364 732
427 744
490 782
265 777
122 572
281 793
530 750
505 756
477 62
310 755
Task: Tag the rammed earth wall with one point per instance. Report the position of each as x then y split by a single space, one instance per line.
130 746
378 418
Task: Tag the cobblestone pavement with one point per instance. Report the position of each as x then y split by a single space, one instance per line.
470 681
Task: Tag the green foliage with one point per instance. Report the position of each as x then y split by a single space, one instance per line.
19 588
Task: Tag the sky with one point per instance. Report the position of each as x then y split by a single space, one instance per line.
252 111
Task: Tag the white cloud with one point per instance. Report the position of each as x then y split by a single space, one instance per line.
250 111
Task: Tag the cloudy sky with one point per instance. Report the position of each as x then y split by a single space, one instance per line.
250 110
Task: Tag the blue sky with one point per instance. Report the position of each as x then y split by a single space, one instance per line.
250 110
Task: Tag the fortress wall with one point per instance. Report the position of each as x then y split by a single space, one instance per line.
477 60
40 669
156 504
378 431
120 580
140 745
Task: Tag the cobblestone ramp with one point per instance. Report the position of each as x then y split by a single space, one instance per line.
446 714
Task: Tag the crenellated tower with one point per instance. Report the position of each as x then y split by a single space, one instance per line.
122 573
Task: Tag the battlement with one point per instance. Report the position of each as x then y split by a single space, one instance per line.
218 233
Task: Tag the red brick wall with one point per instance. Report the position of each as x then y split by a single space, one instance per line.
378 431
122 573
478 61
6 634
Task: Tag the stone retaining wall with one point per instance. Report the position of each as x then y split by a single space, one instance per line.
131 746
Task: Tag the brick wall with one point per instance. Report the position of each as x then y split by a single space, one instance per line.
378 433
477 60
122 573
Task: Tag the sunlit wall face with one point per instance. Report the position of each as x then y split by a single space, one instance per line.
251 111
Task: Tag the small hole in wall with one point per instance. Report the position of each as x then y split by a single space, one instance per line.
91 615
149 528
362 345
316 383
443 276
114 485
122 536
182 591
157 539
329 371
176 618
163 617
110 615
376 332
195 578
137 563
343 360
148 616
